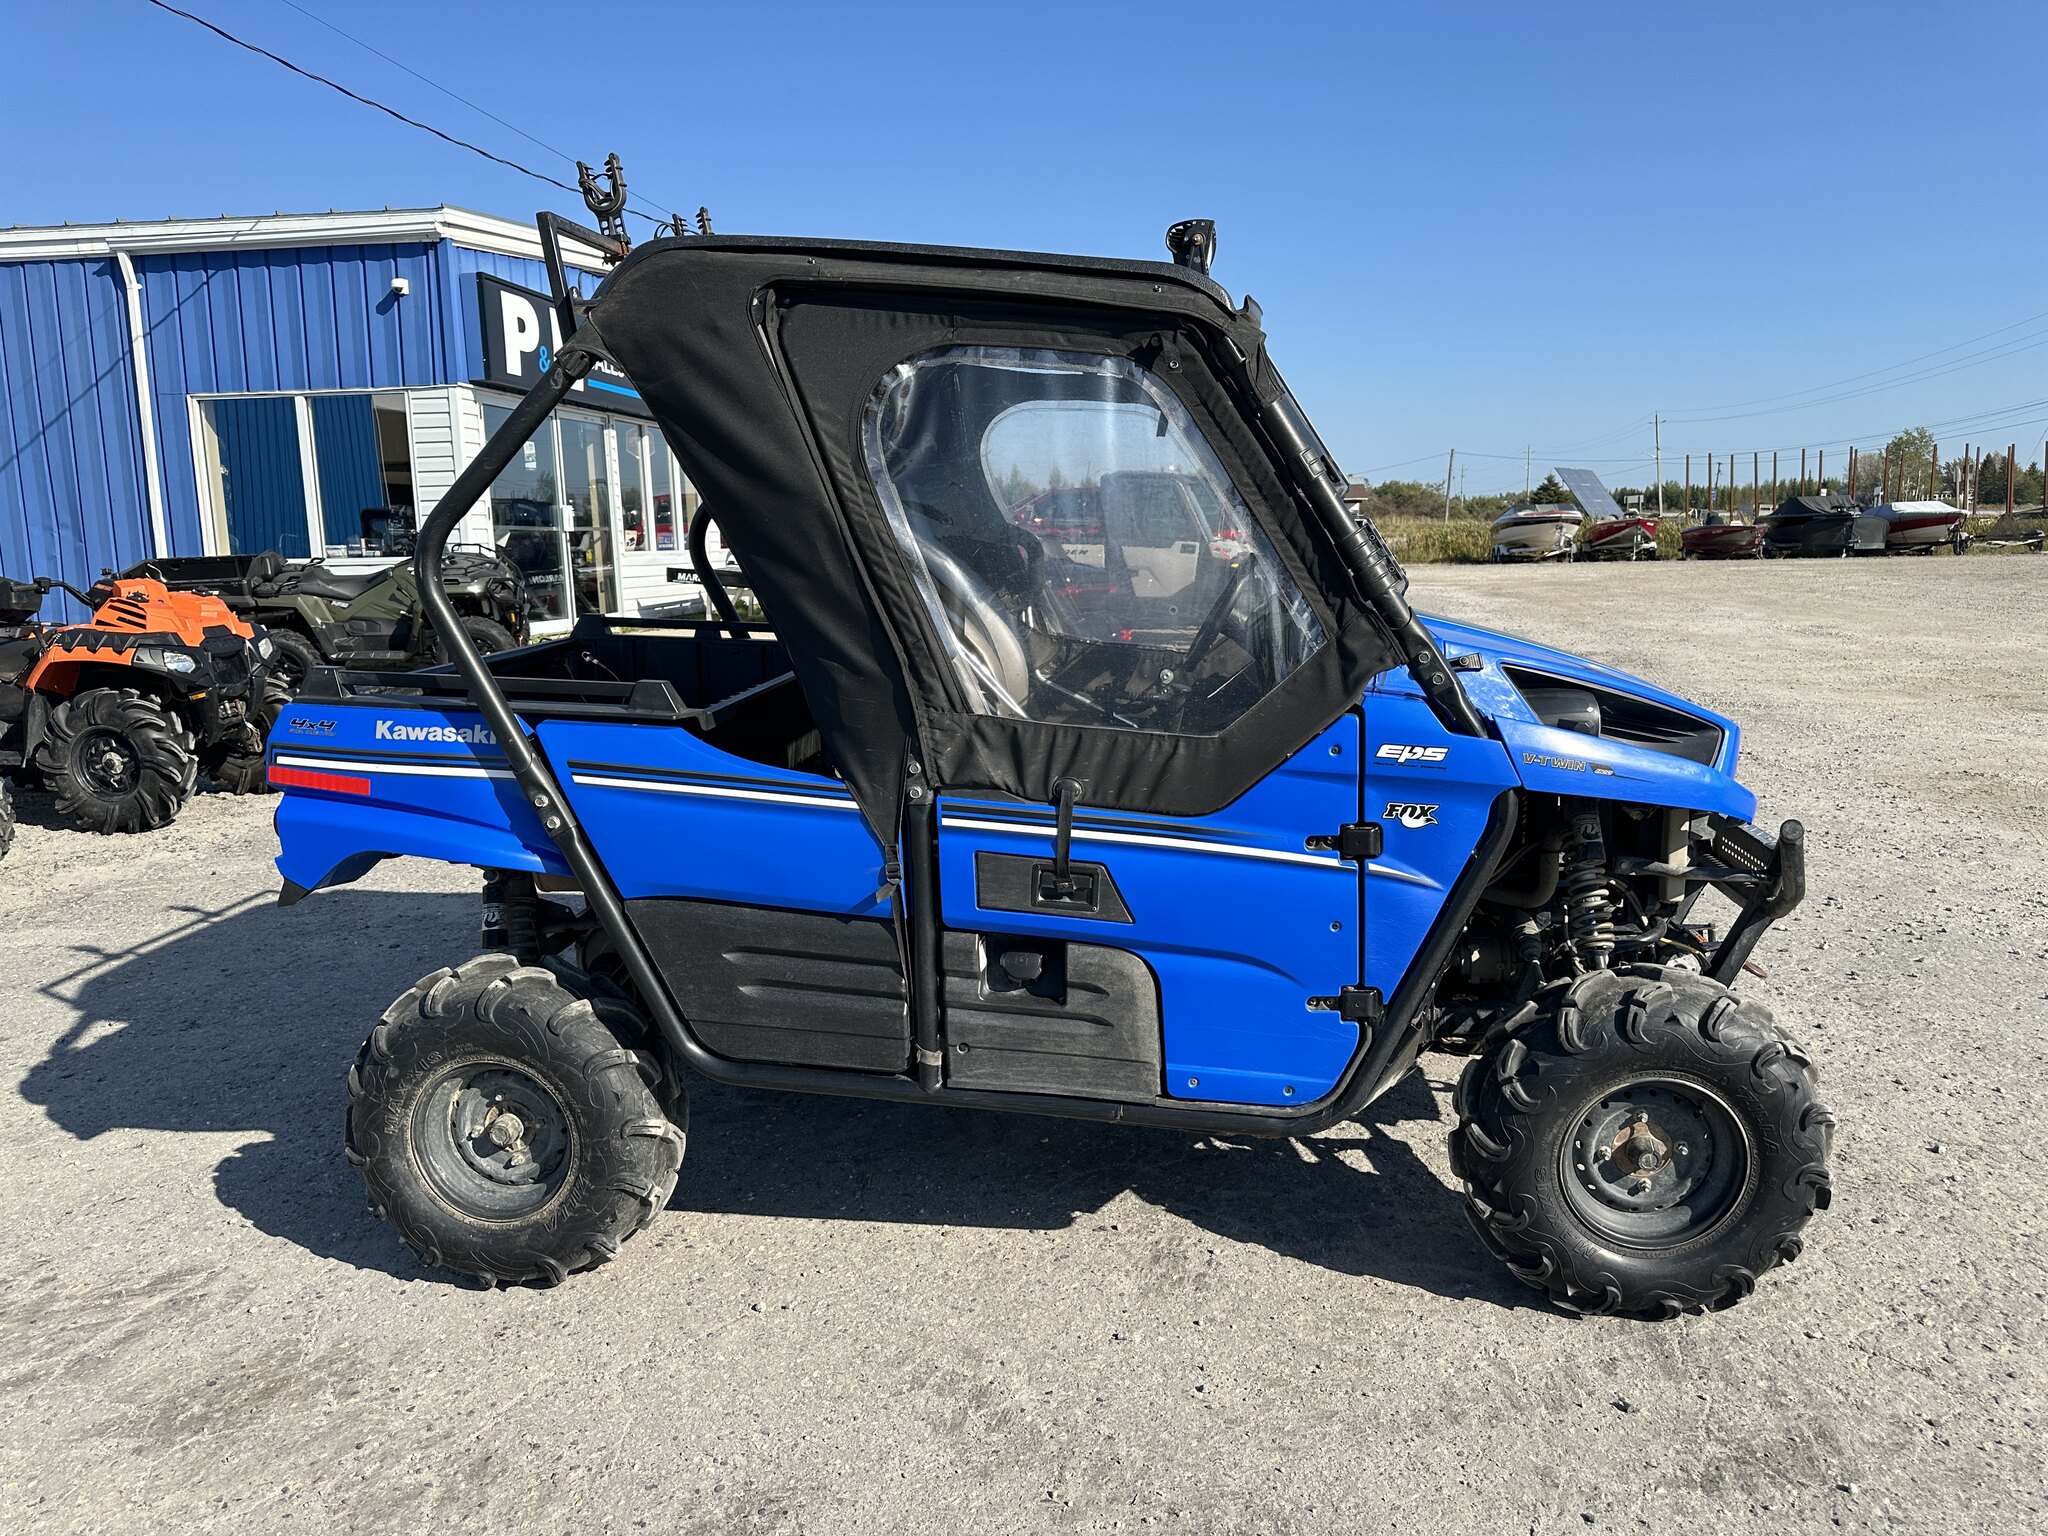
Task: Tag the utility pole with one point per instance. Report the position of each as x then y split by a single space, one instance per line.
1710 482
1688 487
2012 453
1802 471
1528 455
1820 471
1884 475
1657 426
1934 474
1461 485
1449 470
1755 495
1774 477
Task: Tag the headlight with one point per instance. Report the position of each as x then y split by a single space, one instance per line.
163 660
264 648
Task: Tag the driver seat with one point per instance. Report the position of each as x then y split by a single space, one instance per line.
317 580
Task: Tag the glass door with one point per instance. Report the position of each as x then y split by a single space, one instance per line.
587 494
526 519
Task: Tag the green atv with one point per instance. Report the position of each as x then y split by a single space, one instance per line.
365 619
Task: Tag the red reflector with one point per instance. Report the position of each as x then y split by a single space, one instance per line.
307 778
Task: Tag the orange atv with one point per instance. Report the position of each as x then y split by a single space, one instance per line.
119 715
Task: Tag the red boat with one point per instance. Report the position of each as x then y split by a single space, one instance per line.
1722 541
1621 538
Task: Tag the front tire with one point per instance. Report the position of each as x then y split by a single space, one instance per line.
236 764
502 1129
6 817
118 761
1648 1144
293 660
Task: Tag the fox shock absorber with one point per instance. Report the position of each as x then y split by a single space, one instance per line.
1589 909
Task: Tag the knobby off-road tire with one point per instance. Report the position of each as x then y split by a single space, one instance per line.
295 656
503 1130
1645 1143
6 817
236 763
487 635
118 761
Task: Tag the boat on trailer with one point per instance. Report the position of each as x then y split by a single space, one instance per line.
1721 539
1621 538
1922 527
1536 532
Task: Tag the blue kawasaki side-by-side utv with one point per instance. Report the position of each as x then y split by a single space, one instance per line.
1090 762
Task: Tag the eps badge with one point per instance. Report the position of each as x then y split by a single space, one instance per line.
1410 814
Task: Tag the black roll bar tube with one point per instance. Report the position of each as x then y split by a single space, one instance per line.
707 575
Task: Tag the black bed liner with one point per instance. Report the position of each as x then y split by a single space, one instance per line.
689 672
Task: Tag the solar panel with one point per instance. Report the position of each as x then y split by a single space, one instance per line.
1591 494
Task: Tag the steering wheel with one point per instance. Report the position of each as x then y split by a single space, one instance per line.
995 649
1212 626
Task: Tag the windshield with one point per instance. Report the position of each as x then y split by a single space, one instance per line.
1077 543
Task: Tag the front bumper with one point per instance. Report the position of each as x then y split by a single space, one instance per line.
1765 876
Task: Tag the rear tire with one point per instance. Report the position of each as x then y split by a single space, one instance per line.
6 817
294 659
1649 1144
236 764
118 761
502 1129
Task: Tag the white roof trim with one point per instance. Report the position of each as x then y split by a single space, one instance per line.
390 226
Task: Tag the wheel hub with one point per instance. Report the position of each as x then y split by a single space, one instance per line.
108 762
1655 1162
493 1141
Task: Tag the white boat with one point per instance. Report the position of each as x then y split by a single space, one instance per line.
1536 533
1921 525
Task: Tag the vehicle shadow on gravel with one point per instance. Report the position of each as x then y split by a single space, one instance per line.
245 1019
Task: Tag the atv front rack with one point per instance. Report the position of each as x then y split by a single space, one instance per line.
1763 875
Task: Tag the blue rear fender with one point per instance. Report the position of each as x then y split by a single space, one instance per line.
364 781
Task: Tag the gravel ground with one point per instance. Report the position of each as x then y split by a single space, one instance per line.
857 1317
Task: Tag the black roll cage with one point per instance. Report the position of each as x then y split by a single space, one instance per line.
1387 1046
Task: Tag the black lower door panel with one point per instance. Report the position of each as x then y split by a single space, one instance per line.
1050 1016
799 988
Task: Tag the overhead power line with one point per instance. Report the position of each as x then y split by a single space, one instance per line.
388 111
1855 378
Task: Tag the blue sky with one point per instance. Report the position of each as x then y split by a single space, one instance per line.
1477 226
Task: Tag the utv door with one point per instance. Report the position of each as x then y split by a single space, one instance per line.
1199 955
1202 957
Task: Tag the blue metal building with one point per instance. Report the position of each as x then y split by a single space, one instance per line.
308 383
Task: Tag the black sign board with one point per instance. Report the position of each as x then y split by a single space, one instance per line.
521 333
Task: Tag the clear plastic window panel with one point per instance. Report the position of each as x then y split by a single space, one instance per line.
1077 544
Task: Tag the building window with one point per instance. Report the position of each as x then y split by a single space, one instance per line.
364 465
664 492
307 475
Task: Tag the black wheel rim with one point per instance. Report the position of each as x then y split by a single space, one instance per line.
492 1141
1656 1163
108 763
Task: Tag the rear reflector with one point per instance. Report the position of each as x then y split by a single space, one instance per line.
307 778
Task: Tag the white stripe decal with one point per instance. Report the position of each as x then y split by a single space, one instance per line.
714 792
1142 840
423 770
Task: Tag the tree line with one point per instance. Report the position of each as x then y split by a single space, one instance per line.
1911 455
